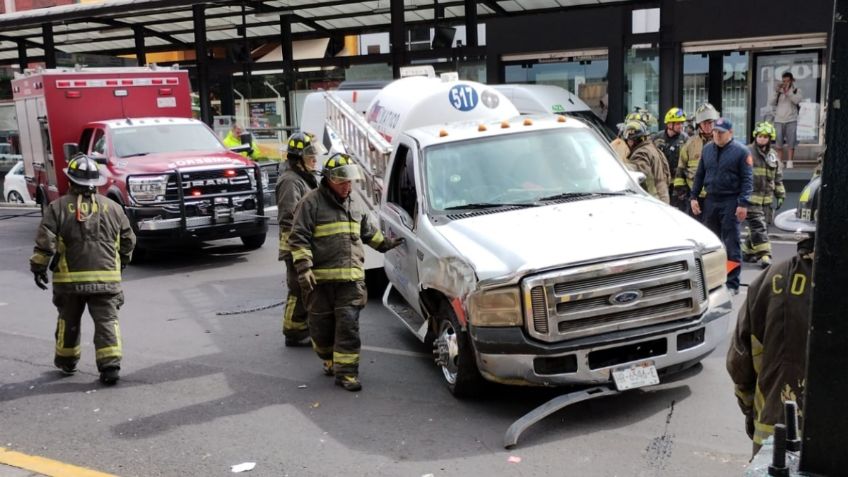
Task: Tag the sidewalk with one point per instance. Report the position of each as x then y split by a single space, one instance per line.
9 471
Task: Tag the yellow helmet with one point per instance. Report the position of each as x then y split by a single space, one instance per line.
675 115
342 168
765 128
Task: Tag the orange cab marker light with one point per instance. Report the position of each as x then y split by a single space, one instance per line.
443 133
504 124
481 128
528 122
560 119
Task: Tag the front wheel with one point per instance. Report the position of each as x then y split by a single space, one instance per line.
453 354
15 197
252 242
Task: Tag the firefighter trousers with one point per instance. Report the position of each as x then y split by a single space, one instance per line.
103 309
295 325
334 324
757 243
720 217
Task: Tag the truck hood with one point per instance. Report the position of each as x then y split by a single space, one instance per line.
499 245
168 161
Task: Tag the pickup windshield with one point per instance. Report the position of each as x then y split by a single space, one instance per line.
524 168
157 138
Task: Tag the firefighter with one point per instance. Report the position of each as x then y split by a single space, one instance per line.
298 179
647 159
234 139
86 240
726 172
326 244
767 356
669 142
690 155
768 187
619 144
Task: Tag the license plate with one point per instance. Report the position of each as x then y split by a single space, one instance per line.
635 376
222 213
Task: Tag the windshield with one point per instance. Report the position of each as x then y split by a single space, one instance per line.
521 169
593 120
152 139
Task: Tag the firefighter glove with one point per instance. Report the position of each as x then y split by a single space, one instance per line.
749 425
779 203
395 242
306 280
41 280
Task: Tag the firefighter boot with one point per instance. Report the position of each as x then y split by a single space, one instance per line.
765 261
327 366
110 376
350 383
67 369
291 341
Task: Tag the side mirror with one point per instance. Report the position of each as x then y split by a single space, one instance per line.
639 177
242 148
246 138
70 149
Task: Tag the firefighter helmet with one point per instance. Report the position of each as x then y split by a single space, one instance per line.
765 128
82 170
298 142
643 115
675 115
341 168
634 130
803 218
706 112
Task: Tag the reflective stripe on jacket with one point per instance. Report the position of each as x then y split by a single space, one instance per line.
89 252
328 235
687 165
768 350
647 159
768 176
290 189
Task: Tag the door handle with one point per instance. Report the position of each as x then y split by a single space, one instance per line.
420 255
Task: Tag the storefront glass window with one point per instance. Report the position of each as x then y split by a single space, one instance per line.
642 80
586 77
806 68
734 94
696 76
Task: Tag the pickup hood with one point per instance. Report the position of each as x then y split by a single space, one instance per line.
499 245
168 161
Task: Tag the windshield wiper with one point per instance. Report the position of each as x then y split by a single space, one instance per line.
576 195
490 205
137 154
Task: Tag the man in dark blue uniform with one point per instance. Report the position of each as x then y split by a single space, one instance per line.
726 172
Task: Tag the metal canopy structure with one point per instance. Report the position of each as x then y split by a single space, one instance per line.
115 27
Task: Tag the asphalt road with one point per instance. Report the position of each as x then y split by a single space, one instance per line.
202 391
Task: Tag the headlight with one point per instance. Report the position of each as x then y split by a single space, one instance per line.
147 188
715 268
500 307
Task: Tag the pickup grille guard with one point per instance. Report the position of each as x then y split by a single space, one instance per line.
196 192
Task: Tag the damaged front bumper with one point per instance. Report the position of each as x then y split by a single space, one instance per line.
508 356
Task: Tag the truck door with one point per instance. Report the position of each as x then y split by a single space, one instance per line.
399 216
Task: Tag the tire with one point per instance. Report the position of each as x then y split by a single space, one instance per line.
252 242
15 197
454 356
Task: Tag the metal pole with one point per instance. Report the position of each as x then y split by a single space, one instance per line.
140 52
398 41
471 23
288 64
202 60
825 419
49 48
23 60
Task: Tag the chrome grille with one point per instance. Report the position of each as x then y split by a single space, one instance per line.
540 310
207 182
701 286
616 295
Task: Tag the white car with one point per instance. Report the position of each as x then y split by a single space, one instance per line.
14 185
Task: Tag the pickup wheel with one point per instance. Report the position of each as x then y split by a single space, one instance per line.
252 242
16 198
453 354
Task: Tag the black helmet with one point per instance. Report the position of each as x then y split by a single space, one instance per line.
802 219
82 170
301 143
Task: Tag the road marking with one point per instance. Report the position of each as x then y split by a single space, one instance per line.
46 466
398 352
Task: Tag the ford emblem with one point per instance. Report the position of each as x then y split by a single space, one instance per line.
625 297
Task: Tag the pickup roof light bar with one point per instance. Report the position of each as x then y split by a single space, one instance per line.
110 82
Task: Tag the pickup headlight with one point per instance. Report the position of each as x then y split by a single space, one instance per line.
147 188
501 307
715 268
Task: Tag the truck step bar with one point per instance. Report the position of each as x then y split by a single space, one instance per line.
550 407
395 303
